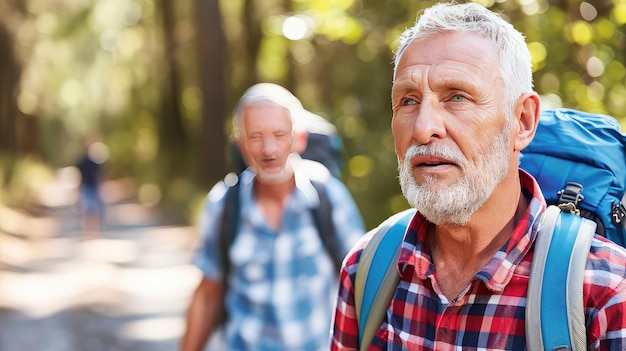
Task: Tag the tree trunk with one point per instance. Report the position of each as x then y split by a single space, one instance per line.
173 136
211 60
8 108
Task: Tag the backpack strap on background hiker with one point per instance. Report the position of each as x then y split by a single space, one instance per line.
377 276
323 218
555 316
228 228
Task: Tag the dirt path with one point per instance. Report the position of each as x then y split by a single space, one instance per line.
124 289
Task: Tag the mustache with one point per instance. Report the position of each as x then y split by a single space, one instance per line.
437 150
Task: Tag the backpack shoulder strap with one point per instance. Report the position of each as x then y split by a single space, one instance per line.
230 221
377 276
555 316
228 229
323 218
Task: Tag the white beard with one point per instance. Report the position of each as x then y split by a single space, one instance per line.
275 178
456 203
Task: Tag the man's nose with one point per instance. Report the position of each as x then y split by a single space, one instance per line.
429 123
269 145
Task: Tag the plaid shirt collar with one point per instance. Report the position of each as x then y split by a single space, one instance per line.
415 254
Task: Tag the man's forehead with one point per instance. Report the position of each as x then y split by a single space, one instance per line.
266 115
454 55
450 47
263 105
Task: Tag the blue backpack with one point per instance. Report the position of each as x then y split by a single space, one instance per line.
579 160
580 157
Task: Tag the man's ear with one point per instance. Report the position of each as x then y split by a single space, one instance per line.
300 141
527 119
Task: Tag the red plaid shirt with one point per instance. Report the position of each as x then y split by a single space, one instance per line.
489 313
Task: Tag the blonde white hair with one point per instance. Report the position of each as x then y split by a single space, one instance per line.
515 60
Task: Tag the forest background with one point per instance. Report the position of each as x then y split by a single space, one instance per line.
156 81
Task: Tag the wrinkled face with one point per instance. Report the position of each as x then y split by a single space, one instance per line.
451 133
266 141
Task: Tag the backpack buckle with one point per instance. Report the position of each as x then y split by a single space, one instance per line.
569 207
618 212
571 193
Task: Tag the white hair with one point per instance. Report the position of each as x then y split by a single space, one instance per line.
515 59
263 93
271 93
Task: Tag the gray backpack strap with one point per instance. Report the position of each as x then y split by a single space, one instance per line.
555 316
377 276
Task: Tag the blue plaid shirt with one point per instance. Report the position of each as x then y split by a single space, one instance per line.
282 283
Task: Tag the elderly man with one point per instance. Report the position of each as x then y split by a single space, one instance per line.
277 275
463 109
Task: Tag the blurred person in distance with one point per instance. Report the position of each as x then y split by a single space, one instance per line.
281 280
90 203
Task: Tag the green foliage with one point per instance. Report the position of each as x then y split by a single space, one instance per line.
100 67
22 180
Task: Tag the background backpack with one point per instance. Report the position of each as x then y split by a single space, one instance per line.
322 217
580 157
324 145
229 226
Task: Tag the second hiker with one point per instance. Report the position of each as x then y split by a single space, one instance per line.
274 260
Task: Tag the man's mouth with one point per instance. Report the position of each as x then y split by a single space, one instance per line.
431 162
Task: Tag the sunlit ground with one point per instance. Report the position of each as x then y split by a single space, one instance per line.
119 289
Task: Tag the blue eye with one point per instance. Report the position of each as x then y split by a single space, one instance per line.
458 98
409 102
